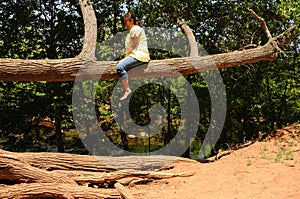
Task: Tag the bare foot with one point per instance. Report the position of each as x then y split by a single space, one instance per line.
127 92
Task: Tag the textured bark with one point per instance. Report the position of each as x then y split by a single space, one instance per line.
123 191
90 30
69 69
85 67
54 190
191 38
61 161
61 175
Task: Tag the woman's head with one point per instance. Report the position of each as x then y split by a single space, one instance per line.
130 19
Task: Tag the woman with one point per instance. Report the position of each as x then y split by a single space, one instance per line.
136 50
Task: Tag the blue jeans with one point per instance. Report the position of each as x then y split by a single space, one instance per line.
126 64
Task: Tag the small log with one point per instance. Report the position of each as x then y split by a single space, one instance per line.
222 154
125 192
17 170
82 177
50 190
130 181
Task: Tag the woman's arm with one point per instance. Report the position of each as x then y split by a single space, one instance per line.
132 45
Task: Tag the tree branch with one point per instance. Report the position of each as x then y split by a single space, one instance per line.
262 22
85 67
90 30
69 69
191 38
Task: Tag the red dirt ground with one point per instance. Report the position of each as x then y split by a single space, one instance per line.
265 169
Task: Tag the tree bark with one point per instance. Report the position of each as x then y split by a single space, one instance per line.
70 69
191 38
85 67
61 175
123 191
54 190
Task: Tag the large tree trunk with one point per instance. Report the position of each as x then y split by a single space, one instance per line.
67 69
85 67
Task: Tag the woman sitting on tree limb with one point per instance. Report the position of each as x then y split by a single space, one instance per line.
136 50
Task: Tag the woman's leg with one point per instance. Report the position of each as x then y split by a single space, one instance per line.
122 67
126 89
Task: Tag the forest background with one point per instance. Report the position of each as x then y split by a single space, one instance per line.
261 97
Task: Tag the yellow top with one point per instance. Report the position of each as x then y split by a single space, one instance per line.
140 52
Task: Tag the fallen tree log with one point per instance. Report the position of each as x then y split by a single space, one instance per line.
15 169
123 191
61 175
53 190
65 161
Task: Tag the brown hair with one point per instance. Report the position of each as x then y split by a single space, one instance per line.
129 16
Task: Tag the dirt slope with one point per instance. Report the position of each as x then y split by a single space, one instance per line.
265 169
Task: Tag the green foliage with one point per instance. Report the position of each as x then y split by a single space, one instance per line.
290 10
40 29
284 154
249 162
37 29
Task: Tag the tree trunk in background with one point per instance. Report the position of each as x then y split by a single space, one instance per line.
187 141
193 53
58 130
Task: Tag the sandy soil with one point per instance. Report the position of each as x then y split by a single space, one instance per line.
265 169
